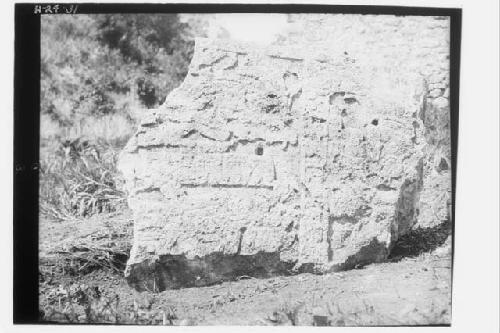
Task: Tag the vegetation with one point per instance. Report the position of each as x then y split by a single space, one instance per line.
81 303
96 72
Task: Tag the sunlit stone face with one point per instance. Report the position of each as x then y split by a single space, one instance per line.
266 160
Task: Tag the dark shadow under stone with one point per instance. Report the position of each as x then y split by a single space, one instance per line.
420 240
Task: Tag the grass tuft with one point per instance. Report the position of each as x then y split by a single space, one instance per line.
79 179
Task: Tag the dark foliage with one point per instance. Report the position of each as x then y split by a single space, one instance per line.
90 64
96 72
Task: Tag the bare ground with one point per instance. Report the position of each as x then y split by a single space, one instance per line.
81 280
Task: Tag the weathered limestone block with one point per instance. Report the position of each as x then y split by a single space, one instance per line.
401 45
268 160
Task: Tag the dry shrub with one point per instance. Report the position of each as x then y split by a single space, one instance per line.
83 259
75 248
79 179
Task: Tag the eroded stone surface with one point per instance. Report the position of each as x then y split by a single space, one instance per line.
401 46
267 160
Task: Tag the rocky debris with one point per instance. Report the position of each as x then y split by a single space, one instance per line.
271 160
